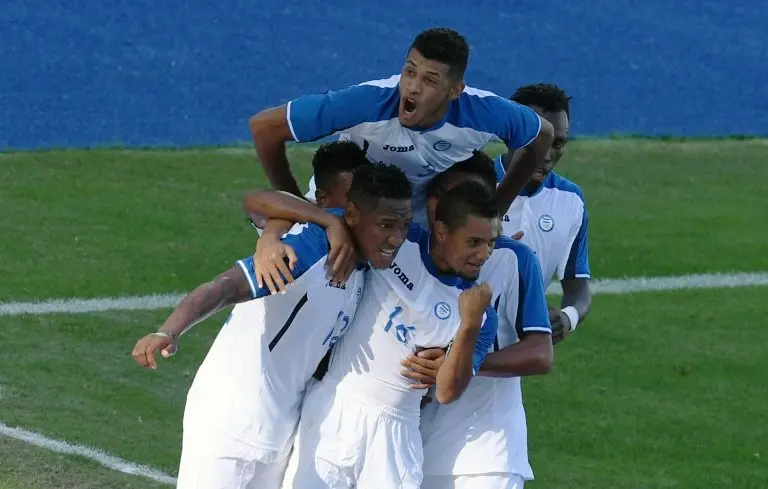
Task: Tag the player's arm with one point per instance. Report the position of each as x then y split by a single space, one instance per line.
309 118
574 273
532 355
459 366
270 130
227 289
521 127
286 207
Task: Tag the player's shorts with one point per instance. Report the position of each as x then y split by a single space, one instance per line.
213 460
477 481
349 441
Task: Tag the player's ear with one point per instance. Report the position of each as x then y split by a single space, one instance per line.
351 215
457 89
440 231
320 197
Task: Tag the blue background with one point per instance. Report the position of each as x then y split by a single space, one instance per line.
190 72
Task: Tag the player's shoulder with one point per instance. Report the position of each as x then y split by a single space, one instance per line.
509 251
559 182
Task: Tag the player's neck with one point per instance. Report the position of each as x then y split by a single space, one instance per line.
437 255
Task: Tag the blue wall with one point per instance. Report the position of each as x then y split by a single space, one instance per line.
190 72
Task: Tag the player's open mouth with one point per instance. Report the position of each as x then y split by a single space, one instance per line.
409 106
388 253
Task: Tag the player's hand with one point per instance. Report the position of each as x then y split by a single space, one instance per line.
517 235
145 350
269 263
342 256
561 325
473 303
423 366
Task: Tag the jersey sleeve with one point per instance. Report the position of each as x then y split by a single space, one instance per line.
310 244
576 263
315 116
485 339
532 309
514 124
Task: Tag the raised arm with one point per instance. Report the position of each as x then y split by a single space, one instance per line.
462 360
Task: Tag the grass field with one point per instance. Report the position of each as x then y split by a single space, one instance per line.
656 390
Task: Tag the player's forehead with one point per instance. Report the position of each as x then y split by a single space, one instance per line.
479 228
392 209
418 62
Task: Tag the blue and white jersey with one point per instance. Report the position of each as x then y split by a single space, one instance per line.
554 222
408 305
485 430
368 115
252 382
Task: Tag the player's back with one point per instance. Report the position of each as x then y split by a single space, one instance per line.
485 430
554 222
408 305
253 379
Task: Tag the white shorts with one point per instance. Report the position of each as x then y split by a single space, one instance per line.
475 481
213 460
370 447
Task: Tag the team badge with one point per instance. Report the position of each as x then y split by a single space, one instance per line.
546 223
442 310
442 145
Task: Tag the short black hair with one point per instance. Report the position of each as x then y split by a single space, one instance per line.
464 200
376 181
445 46
547 96
479 164
330 159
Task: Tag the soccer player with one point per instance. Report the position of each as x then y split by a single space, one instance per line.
551 212
418 302
243 406
423 121
480 441
333 165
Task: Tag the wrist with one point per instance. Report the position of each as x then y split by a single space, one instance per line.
573 316
173 337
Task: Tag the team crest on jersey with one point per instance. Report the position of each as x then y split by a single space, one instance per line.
442 310
442 145
546 223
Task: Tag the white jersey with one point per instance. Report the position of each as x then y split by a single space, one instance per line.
408 305
554 222
251 383
485 431
367 114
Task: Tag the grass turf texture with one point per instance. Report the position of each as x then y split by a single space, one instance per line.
656 390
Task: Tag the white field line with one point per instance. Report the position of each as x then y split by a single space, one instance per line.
606 286
94 454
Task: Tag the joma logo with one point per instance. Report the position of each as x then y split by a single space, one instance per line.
399 273
397 149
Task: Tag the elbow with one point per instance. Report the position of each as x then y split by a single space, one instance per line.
447 395
254 205
544 360
257 124
546 133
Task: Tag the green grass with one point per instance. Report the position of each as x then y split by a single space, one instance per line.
655 390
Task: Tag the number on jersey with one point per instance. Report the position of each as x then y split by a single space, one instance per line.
401 331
